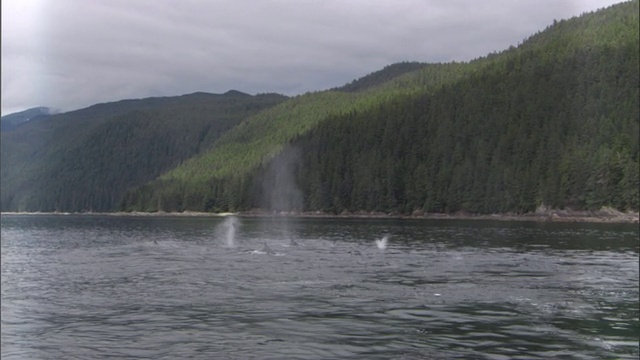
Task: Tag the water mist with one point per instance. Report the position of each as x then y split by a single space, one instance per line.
227 231
281 194
382 243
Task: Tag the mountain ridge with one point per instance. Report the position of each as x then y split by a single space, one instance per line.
400 111
10 121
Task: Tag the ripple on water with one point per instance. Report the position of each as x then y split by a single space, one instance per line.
176 289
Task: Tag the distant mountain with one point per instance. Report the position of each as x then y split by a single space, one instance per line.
235 93
10 121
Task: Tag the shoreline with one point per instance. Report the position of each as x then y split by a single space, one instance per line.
605 215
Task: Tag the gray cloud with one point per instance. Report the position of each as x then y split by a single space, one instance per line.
68 54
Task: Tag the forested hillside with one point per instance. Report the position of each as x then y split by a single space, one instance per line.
85 160
222 179
553 122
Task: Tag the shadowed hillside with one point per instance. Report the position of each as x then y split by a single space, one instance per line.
84 160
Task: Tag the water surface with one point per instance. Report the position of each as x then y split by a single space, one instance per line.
173 287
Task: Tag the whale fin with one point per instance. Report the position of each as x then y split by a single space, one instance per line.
266 249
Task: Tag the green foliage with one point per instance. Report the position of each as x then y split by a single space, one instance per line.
552 123
256 141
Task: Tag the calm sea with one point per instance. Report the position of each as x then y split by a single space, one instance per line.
95 287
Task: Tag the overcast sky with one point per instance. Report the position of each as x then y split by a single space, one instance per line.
69 54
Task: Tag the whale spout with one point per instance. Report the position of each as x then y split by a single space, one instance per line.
382 243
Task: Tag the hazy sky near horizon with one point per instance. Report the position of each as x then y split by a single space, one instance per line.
69 54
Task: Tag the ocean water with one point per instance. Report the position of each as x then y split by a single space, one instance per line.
94 287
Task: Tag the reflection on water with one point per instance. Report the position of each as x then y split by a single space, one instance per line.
151 287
